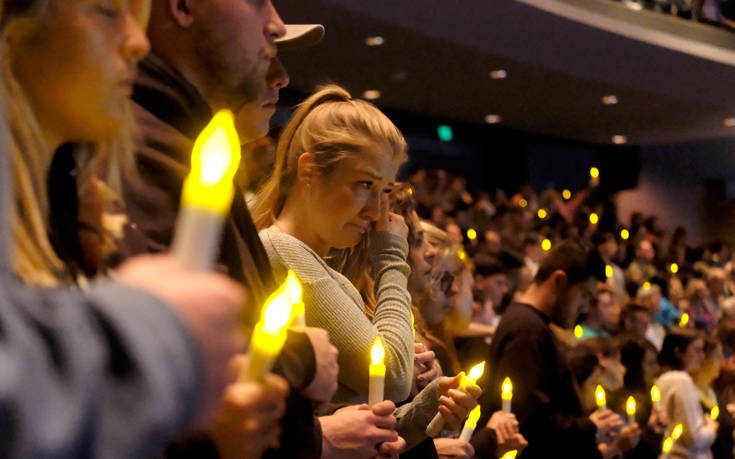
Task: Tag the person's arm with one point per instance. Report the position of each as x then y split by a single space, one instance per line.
112 374
333 306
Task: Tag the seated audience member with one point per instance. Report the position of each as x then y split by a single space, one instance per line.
702 314
682 353
603 316
607 247
73 360
634 320
704 379
526 350
641 269
649 295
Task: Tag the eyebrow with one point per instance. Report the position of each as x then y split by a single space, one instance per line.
370 173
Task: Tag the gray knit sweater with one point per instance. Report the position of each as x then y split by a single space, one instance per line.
334 304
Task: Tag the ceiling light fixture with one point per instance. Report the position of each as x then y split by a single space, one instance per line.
371 94
610 100
374 41
493 119
619 139
498 74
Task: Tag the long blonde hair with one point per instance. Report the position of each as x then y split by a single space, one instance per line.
33 257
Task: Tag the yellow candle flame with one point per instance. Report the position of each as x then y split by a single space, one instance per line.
462 254
546 245
655 394
608 271
413 325
668 443
594 218
566 194
474 417
578 331
542 213
377 353
507 390
472 234
510 454
684 320
678 430
624 234
715 413
646 285
523 203
476 372
214 161
594 172
278 310
674 268
630 406
600 396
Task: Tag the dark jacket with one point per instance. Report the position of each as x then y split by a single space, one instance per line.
170 114
545 399
110 373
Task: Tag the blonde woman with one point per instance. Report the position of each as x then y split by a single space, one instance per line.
72 362
327 201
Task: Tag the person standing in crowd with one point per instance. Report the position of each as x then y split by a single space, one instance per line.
526 350
72 361
641 269
650 296
336 162
681 354
607 247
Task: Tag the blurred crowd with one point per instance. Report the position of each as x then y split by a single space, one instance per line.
719 13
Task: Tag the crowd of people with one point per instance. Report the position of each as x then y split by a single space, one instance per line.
112 348
718 13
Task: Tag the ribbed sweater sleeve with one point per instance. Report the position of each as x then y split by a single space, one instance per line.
333 303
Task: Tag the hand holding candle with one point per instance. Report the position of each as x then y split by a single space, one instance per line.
269 333
207 194
470 425
437 423
507 395
630 410
377 373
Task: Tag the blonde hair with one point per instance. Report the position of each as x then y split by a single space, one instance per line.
34 259
328 125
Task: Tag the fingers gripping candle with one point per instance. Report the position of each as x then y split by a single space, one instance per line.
437 423
470 425
377 373
269 333
207 194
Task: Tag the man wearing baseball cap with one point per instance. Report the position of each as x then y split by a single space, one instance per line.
206 56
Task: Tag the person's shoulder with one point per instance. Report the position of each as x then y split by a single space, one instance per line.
521 320
674 378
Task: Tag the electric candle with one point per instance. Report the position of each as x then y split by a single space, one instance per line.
656 397
269 333
377 373
507 395
715 413
630 410
470 425
207 194
600 397
510 454
437 423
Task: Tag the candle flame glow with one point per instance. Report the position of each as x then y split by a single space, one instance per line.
655 394
630 406
600 396
507 389
377 353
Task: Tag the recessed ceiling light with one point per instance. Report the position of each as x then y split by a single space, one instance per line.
619 139
633 5
498 74
374 41
729 122
371 94
493 119
610 100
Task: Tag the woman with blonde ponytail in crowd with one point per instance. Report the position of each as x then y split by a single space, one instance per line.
326 207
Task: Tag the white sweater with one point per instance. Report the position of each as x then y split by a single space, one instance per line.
681 401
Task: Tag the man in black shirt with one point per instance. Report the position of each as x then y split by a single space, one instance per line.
526 350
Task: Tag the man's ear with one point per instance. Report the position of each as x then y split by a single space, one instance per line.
306 168
181 12
559 282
